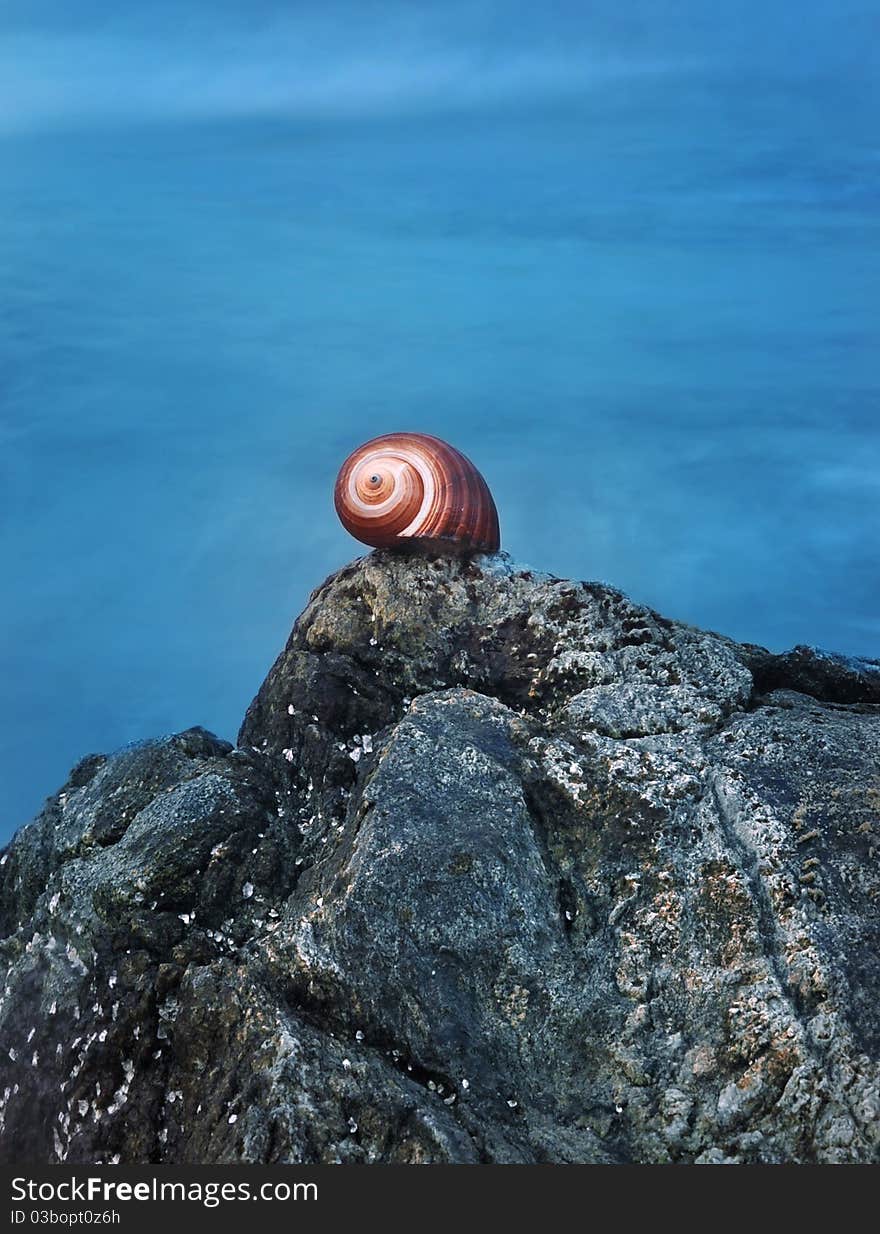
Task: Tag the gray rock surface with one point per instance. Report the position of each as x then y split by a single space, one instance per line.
504 868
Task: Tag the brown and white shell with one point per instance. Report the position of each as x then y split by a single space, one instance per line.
412 489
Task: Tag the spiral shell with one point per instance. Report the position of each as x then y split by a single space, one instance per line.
409 488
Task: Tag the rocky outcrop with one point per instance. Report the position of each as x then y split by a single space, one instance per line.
504 868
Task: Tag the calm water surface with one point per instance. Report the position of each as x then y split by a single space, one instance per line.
647 310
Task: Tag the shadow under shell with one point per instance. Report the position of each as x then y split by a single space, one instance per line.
433 546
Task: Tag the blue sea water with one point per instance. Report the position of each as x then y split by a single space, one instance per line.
624 256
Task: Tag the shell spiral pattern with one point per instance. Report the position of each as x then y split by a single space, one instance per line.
408 487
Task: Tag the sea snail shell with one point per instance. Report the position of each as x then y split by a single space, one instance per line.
408 488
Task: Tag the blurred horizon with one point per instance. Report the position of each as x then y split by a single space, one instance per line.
625 257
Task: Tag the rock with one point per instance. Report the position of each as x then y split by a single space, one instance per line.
505 868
